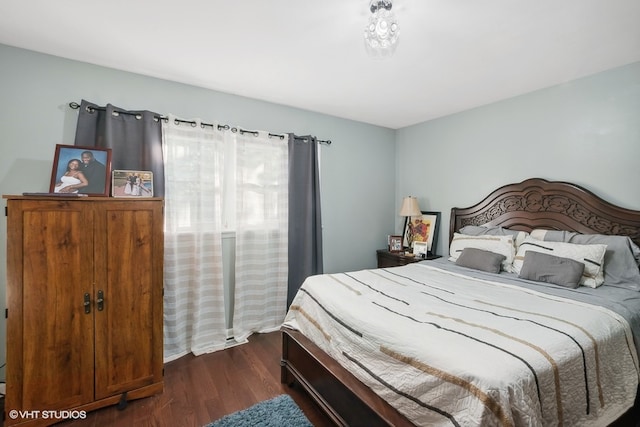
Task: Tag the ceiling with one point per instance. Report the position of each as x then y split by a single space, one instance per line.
453 55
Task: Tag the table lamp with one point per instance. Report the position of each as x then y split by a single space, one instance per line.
408 209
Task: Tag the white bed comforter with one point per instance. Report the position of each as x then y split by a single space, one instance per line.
447 350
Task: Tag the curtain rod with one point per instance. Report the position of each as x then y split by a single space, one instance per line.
76 106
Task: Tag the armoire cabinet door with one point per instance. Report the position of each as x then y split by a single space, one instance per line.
50 246
128 259
84 301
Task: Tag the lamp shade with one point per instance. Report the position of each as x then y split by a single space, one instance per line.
410 207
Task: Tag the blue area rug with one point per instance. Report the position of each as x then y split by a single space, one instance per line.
280 411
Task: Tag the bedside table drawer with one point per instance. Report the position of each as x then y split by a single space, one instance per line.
393 259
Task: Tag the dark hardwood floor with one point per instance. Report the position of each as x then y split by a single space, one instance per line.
198 390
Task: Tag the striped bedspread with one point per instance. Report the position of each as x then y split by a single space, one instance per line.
446 349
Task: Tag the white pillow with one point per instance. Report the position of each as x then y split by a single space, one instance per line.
495 230
592 256
621 260
503 245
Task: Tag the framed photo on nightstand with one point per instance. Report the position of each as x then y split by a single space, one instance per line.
420 249
395 244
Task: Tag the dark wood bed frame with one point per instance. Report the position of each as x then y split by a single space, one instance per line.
534 203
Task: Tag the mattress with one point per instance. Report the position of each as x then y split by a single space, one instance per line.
448 348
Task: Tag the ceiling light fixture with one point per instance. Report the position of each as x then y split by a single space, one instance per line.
381 34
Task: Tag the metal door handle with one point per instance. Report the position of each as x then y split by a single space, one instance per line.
87 303
100 301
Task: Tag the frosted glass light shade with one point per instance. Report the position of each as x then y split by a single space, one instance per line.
382 31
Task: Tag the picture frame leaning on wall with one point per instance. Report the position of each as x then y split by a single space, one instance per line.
424 228
79 170
132 183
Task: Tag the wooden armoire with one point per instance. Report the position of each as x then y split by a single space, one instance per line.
84 304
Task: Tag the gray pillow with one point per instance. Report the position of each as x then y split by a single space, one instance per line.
481 260
620 261
547 268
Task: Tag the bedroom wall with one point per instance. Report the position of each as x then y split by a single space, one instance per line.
34 116
585 131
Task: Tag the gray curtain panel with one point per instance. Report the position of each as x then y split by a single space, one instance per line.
135 138
305 220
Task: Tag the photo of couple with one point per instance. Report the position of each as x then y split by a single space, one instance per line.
81 170
128 183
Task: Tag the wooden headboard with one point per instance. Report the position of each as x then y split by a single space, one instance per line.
554 205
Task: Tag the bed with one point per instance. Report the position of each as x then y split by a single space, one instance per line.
546 340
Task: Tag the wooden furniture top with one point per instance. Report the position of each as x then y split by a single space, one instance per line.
81 198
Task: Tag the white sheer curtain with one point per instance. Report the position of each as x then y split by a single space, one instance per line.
261 233
194 317
222 181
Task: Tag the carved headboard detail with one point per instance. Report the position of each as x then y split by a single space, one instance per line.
538 203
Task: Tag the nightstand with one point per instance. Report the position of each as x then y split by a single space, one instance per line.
395 259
